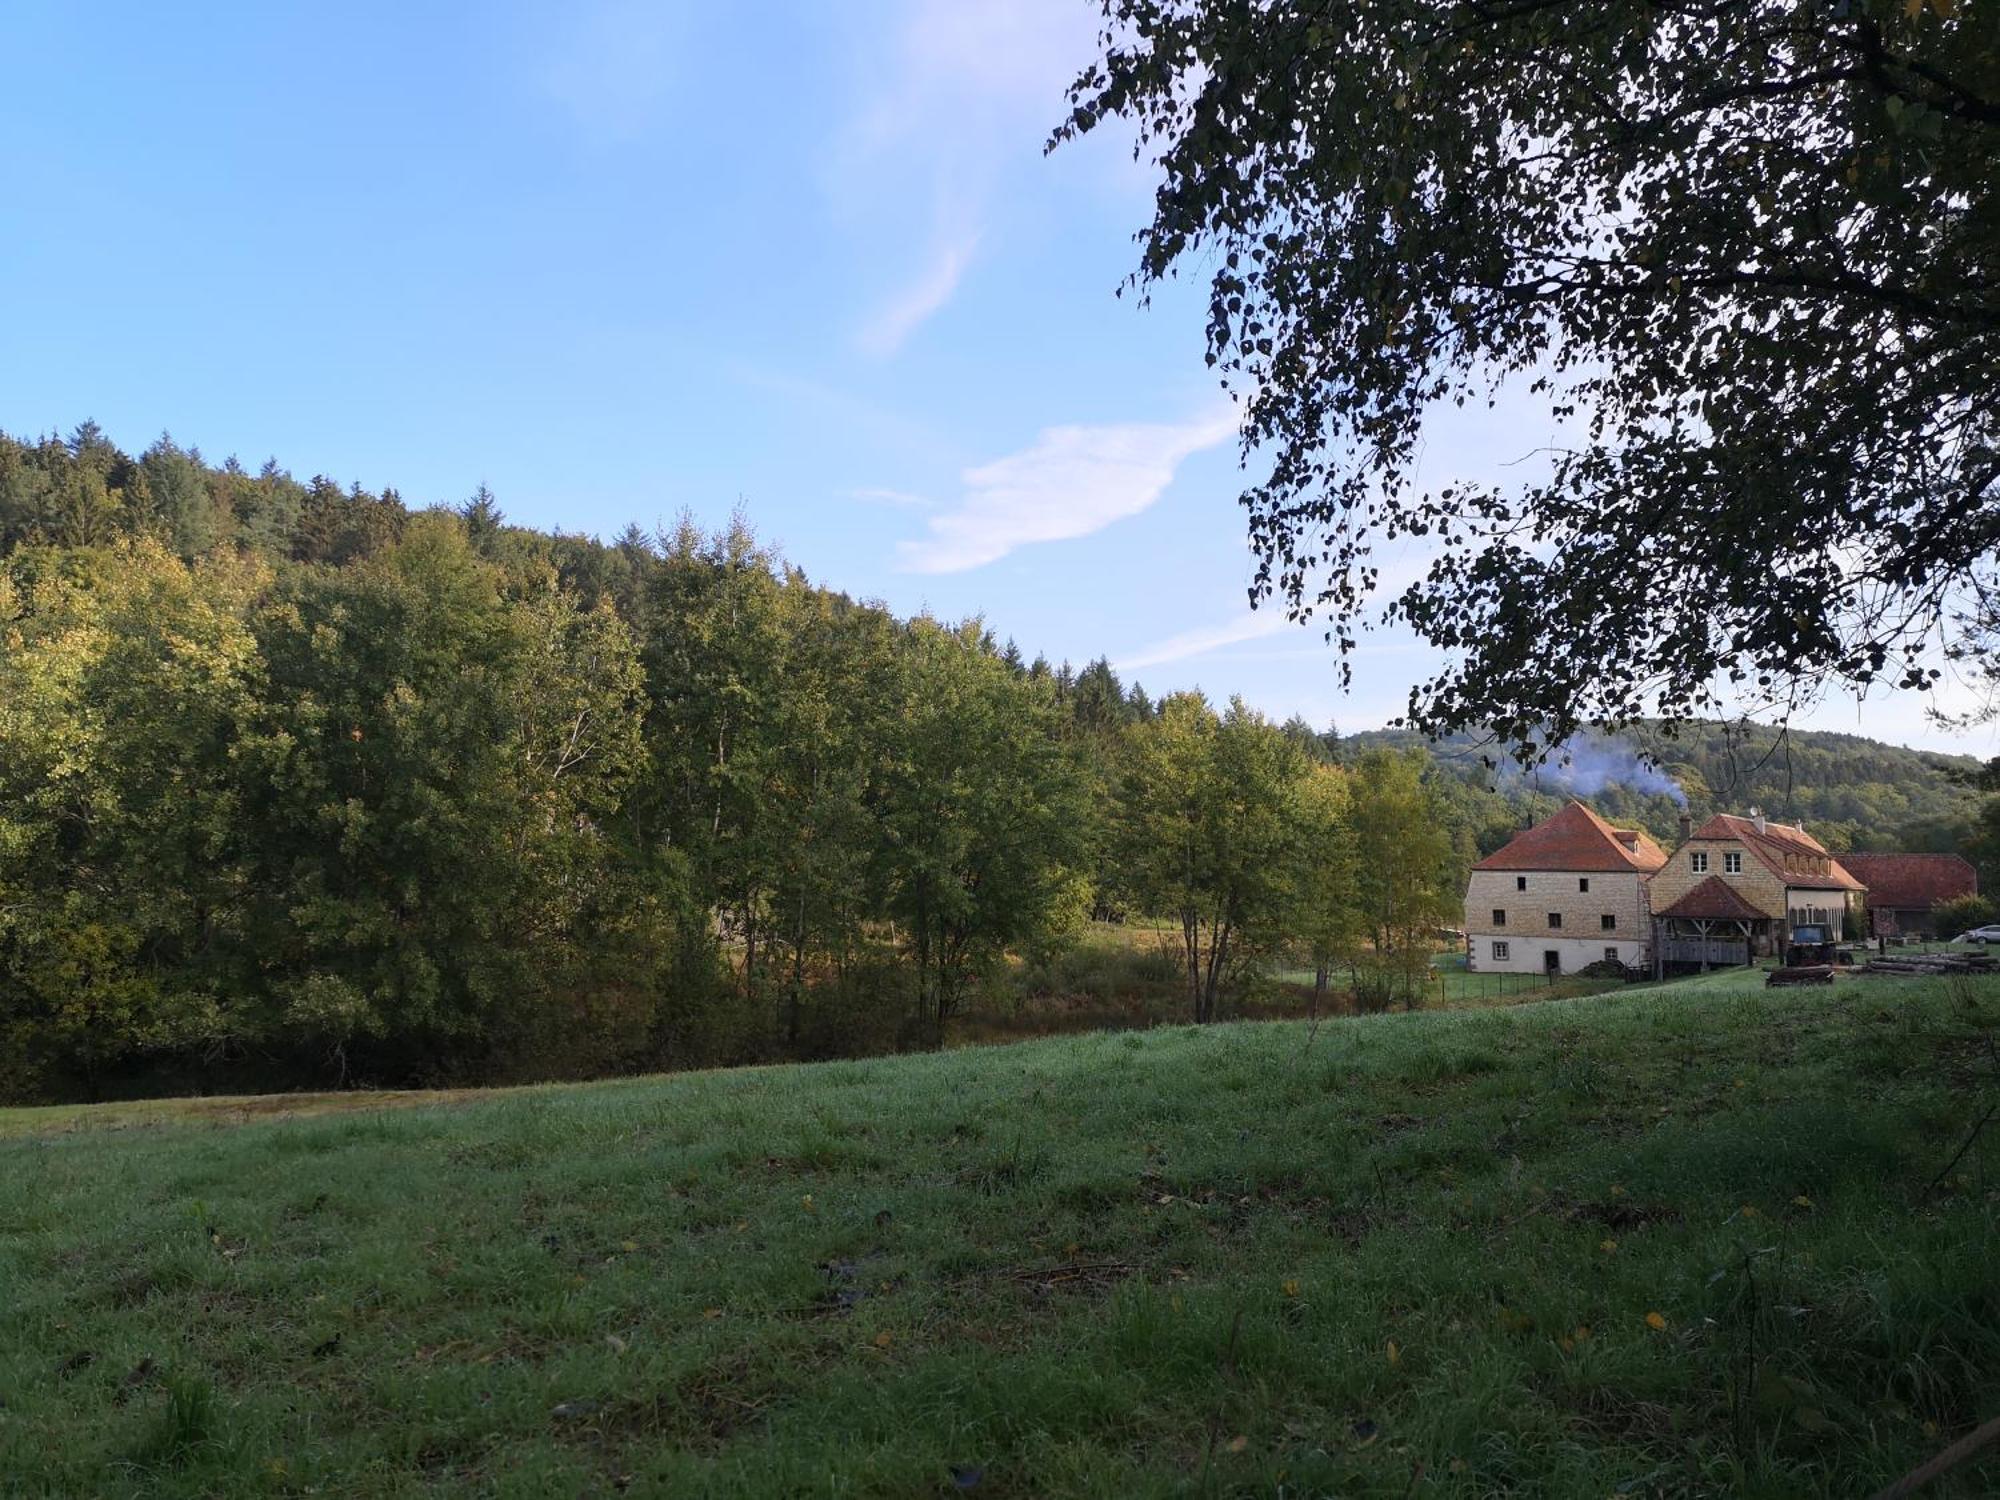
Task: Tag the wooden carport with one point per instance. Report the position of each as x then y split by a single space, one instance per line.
1711 925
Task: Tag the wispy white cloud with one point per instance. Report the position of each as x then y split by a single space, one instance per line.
949 105
615 65
1016 50
1252 625
1071 482
886 329
959 87
902 498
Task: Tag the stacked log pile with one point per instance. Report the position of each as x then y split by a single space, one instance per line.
1931 963
1801 974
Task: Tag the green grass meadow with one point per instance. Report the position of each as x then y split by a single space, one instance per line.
1695 1240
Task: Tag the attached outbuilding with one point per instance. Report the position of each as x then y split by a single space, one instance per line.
1712 924
1904 889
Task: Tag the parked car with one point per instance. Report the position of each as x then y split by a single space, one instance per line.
1987 934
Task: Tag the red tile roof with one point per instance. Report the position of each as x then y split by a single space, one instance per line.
1716 899
1791 853
1576 839
1913 882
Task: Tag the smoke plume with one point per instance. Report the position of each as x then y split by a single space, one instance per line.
1586 763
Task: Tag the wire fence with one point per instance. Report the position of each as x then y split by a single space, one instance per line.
1447 981
1471 985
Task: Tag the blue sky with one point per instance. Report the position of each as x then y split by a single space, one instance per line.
618 259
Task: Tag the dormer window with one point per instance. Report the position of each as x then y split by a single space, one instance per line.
1698 861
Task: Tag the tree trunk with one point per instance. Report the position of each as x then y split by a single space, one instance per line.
1191 954
923 939
1218 959
797 995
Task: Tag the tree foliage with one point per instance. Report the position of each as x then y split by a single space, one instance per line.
300 785
1409 870
1750 250
1226 829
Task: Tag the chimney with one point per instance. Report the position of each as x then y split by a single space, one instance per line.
1757 817
1687 828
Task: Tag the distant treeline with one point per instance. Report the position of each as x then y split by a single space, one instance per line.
298 784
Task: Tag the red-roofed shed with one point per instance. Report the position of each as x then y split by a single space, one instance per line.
1904 889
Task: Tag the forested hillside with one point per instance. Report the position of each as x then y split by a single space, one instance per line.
300 784
1851 792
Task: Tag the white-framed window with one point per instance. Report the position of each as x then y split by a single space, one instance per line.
1500 952
1698 861
1611 955
1732 864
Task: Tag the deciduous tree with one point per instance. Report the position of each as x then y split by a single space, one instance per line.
1751 247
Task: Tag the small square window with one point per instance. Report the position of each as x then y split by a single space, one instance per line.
1555 920
1500 951
1583 884
1608 922
1611 955
1520 882
1499 917
1698 861
1732 864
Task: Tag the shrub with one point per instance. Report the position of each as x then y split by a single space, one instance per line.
1098 971
1954 917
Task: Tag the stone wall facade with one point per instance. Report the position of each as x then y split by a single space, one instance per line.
1528 897
1755 882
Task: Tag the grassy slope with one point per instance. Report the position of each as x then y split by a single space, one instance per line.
1160 1263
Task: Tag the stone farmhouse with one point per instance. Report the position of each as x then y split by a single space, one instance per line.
1573 890
1742 888
1569 892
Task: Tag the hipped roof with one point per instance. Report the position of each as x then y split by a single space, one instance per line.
1576 838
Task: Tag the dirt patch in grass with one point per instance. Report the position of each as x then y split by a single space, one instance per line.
238 1109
